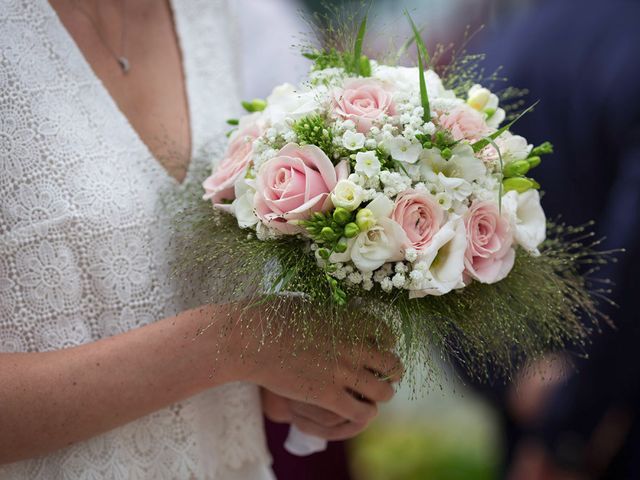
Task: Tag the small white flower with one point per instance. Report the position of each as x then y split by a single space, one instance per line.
429 128
349 125
371 144
399 280
401 268
347 195
417 276
444 200
404 150
355 278
353 140
379 276
411 255
387 285
367 284
367 163
340 274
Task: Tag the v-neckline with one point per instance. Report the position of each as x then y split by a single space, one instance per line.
187 92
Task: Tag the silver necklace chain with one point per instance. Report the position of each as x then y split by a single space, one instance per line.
122 59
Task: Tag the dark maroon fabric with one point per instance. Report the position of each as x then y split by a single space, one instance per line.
330 464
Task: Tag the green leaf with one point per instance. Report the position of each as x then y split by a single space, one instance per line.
357 51
480 144
417 33
233 121
423 56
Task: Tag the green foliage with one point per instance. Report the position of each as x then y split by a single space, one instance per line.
423 61
544 304
357 49
255 105
331 58
314 130
480 144
545 148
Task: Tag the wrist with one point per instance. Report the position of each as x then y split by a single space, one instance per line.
229 352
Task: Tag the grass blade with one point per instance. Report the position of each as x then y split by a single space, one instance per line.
357 51
480 144
423 57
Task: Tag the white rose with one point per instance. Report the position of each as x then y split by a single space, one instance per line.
513 147
242 207
347 195
286 101
404 79
353 140
367 163
380 244
527 218
441 265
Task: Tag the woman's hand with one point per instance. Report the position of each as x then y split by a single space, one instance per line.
308 418
344 382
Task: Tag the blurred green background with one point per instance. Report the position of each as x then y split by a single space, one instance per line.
447 433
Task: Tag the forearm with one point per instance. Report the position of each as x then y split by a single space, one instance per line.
53 399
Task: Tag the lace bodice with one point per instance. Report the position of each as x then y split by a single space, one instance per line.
84 241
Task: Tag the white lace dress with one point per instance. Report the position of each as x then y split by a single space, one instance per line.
83 239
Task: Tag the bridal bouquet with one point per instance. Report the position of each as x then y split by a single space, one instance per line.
390 179
403 193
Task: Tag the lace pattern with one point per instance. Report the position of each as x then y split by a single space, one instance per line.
83 247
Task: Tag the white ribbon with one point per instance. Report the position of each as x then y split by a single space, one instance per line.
302 444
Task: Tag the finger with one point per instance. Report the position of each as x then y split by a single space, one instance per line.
386 365
317 414
276 408
342 403
370 386
340 432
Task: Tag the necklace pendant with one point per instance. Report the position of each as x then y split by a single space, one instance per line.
124 64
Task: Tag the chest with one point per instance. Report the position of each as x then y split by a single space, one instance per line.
152 92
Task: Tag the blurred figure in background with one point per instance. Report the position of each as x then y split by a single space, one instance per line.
580 58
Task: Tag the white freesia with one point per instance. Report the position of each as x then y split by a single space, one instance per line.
404 150
462 164
382 243
347 195
439 268
353 140
289 102
367 163
527 218
482 100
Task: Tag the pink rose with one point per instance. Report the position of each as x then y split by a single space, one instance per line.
220 185
419 215
489 256
363 101
294 185
464 123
